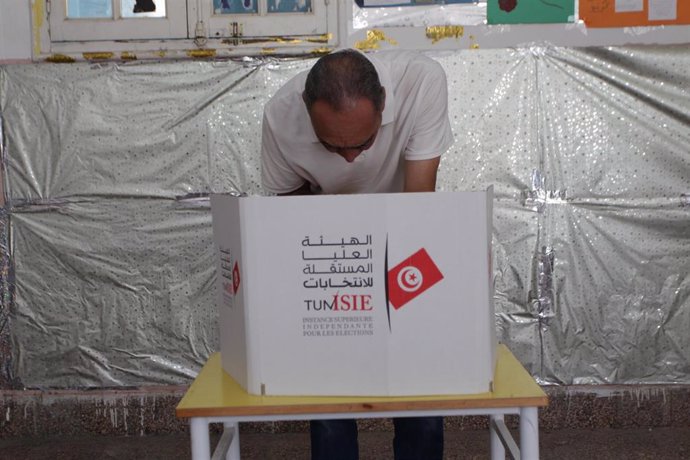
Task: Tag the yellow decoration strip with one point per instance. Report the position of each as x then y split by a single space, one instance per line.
437 33
323 50
37 9
60 59
98 56
317 51
127 56
278 39
325 38
374 36
201 53
289 41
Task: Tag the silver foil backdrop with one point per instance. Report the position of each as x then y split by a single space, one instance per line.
108 255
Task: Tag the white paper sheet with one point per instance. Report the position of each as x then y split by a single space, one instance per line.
660 10
626 6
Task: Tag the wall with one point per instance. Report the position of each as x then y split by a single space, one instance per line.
101 195
112 269
15 30
404 27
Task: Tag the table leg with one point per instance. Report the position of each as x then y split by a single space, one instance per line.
498 451
234 450
529 433
201 445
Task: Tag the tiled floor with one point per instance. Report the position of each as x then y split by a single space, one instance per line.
576 444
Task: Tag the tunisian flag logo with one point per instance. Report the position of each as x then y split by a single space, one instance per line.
411 277
235 278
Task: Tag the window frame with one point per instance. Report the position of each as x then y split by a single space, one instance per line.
263 23
64 29
340 33
50 44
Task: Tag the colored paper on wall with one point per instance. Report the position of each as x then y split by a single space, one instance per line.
631 13
530 11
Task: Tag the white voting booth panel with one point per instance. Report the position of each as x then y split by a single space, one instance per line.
379 295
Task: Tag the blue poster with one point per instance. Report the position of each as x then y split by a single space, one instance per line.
235 6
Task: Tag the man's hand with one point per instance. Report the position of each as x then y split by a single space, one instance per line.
420 175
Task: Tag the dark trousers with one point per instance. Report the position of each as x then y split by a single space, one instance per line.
416 438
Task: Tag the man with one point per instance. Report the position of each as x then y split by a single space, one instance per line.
360 124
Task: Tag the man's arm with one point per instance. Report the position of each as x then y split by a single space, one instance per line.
305 189
277 175
420 175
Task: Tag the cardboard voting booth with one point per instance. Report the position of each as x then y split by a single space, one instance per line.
362 295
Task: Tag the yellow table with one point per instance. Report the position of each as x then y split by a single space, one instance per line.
214 397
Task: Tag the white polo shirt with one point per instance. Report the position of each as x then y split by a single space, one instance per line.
414 126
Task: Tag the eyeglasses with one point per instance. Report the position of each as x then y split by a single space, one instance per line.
363 146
